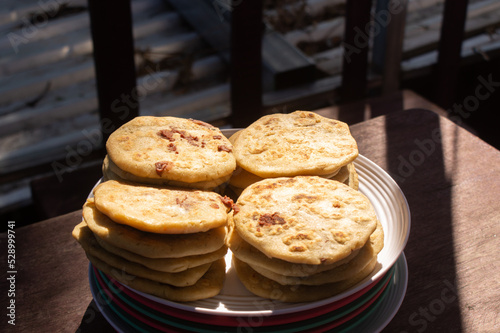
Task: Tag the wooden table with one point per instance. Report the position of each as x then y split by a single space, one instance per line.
449 177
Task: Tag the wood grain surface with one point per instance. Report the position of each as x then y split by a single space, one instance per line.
449 177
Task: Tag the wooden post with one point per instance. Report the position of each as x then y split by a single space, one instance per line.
356 46
246 62
390 19
450 48
111 29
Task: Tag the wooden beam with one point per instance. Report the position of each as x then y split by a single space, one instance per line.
113 50
210 19
388 43
246 62
449 50
284 65
356 46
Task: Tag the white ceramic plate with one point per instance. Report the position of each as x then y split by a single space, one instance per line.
378 317
372 320
393 212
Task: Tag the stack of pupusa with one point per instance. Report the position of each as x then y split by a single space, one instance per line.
169 151
165 242
298 143
303 238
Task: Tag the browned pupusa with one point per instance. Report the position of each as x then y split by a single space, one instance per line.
171 148
304 219
298 143
151 245
159 209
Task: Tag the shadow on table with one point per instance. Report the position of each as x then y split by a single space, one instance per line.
421 173
93 321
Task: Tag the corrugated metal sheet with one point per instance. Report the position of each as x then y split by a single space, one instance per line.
48 101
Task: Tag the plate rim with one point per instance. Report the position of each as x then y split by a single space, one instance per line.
336 317
380 174
371 322
306 305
